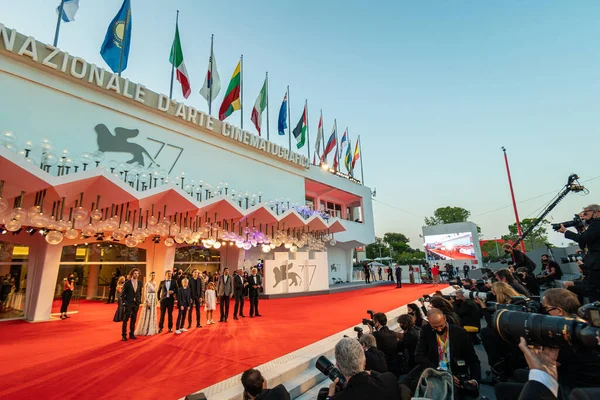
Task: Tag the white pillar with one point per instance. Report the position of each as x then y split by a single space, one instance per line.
41 280
159 258
93 274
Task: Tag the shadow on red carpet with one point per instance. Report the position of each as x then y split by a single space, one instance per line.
83 357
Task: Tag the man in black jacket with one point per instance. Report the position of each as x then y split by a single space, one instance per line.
197 289
375 357
255 387
167 290
469 313
239 284
519 258
350 360
442 346
550 271
387 341
132 298
590 240
112 289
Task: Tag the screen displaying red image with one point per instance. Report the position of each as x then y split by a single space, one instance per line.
450 246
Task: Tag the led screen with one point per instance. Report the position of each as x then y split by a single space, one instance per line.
450 246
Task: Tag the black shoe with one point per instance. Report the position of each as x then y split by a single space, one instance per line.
160 330
189 326
124 338
132 336
198 326
221 320
252 316
235 317
258 315
242 315
170 330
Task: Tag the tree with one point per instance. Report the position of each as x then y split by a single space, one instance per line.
373 249
536 239
413 257
398 242
448 215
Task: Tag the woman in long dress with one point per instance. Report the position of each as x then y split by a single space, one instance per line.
147 324
120 309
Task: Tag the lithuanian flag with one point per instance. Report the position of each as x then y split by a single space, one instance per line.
231 102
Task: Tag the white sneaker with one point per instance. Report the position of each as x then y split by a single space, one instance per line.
178 332
183 330
211 322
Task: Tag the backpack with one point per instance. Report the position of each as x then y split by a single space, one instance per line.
435 385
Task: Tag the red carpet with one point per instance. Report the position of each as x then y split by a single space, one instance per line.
82 357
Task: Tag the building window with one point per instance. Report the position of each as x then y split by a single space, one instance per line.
310 203
189 258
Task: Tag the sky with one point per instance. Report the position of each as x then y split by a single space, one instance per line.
434 88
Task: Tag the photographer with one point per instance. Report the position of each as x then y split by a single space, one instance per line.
350 360
469 313
550 271
447 308
519 258
407 343
590 240
386 339
575 368
446 347
255 387
530 283
504 275
415 312
375 357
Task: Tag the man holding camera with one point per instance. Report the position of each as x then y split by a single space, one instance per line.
504 275
446 347
519 258
589 239
255 387
360 384
550 271
387 341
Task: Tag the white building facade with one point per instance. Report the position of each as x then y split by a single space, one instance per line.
144 157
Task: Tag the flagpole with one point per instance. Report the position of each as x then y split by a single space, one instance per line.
242 91
123 42
267 80
173 58
307 131
289 119
362 173
60 14
211 76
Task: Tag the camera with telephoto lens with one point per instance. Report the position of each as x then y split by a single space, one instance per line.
369 322
576 222
371 312
517 303
329 370
449 296
550 331
474 294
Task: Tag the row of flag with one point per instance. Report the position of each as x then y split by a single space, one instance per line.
115 52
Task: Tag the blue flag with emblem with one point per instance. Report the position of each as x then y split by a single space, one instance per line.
115 49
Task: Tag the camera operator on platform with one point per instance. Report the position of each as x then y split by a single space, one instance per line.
386 339
576 369
519 258
550 271
361 384
589 239
445 346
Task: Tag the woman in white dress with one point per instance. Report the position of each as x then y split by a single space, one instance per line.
211 302
147 324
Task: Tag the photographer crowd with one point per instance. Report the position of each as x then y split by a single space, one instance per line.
537 348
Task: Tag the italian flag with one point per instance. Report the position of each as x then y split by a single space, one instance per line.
176 60
300 130
231 102
259 107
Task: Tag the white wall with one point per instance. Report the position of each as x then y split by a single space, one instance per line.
342 259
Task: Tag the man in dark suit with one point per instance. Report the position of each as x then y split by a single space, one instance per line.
255 387
132 298
398 277
225 293
112 289
375 359
197 290
350 360
441 345
255 283
239 284
166 297
387 340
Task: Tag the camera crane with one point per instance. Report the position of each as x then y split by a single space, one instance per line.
572 185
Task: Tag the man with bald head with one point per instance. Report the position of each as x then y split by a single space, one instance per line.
446 347
239 284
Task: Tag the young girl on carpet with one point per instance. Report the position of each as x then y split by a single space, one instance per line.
211 302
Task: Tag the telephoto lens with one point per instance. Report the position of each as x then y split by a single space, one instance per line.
329 370
545 330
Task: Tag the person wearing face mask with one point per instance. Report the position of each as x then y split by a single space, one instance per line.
415 312
519 258
575 368
441 346
375 357
68 287
385 338
590 240
550 271
407 342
